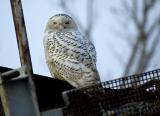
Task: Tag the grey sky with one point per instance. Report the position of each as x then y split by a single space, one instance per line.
37 13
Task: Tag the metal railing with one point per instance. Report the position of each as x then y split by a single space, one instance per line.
108 99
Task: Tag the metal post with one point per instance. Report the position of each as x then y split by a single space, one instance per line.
4 99
22 41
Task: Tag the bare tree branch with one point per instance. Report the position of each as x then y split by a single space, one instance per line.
126 37
141 61
151 3
134 13
125 5
132 57
149 55
89 21
66 8
148 5
117 55
153 27
89 18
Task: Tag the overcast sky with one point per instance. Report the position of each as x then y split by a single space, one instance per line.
37 13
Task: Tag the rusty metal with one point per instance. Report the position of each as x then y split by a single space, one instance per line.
21 34
3 97
23 46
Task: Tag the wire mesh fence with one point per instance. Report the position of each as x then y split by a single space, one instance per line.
133 95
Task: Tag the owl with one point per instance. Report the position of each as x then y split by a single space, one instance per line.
70 56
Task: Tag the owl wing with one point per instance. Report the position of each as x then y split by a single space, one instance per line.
87 55
90 49
82 47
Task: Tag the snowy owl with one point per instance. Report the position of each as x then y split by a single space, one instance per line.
69 55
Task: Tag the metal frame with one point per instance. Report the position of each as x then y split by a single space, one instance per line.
26 65
22 41
3 97
109 99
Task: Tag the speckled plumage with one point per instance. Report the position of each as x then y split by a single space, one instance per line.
69 55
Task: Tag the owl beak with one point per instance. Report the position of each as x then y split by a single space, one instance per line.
61 27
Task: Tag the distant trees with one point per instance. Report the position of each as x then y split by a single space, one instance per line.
146 19
143 40
90 22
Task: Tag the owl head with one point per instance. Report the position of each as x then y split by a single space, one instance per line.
61 22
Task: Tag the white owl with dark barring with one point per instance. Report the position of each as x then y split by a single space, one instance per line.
69 55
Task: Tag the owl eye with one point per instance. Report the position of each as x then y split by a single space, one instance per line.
67 22
54 22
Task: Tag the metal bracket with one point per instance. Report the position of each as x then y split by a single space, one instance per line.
13 74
